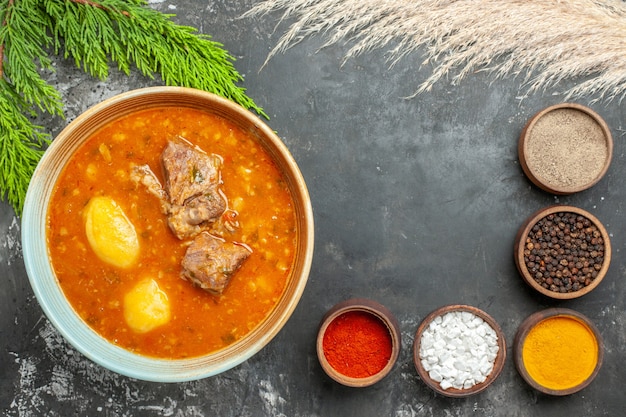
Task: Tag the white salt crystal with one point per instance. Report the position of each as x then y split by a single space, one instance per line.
447 372
460 365
486 368
461 326
435 375
445 384
469 383
466 316
426 364
458 349
453 333
427 341
439 344
480 378
460 379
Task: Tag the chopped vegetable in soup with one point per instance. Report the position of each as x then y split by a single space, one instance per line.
109 232
127 268
146 306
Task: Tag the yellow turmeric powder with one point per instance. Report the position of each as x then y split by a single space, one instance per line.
560 352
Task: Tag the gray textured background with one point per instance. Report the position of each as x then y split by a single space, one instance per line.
416 204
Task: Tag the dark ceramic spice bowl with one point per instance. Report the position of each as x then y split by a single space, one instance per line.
362 372
551 266
432 381
565 148
556 338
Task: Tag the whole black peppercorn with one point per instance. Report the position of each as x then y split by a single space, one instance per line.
564 252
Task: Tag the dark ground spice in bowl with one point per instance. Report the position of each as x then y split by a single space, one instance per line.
563 251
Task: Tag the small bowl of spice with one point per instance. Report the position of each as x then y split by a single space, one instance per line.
562 251
358 342
558 351
459 350
565 148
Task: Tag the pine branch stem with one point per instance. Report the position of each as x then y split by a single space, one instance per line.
96 5
4 23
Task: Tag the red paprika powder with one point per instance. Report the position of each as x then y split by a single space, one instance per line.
357 344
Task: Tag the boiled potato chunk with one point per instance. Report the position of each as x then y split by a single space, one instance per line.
110 233
146 306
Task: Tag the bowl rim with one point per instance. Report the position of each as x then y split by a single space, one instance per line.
498 362
537 317
523 146
50 296
520 245
375 309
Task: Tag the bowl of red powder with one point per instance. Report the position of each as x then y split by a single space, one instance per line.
358 342
565 148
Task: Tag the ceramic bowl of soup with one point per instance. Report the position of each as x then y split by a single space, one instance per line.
168 234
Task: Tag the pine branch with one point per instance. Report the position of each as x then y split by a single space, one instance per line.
95 34
23 36
21 146
132 34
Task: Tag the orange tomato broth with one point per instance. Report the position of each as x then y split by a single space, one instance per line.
200 323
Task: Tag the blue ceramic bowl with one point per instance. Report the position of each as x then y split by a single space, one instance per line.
43 279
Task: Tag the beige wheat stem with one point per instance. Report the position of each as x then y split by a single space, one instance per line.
543 41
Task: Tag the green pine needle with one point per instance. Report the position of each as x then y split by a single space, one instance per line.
95 34
21 146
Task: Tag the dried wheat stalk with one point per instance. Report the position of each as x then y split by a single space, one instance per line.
545 41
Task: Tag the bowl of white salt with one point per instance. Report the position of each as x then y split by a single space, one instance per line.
459 350
565 148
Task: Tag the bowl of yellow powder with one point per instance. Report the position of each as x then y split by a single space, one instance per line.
558 351
565 148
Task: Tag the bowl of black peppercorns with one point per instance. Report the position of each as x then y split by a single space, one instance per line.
562 251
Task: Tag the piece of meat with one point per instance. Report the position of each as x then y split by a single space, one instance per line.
189 172
191 198
194 203
142 174
190 219
210 262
